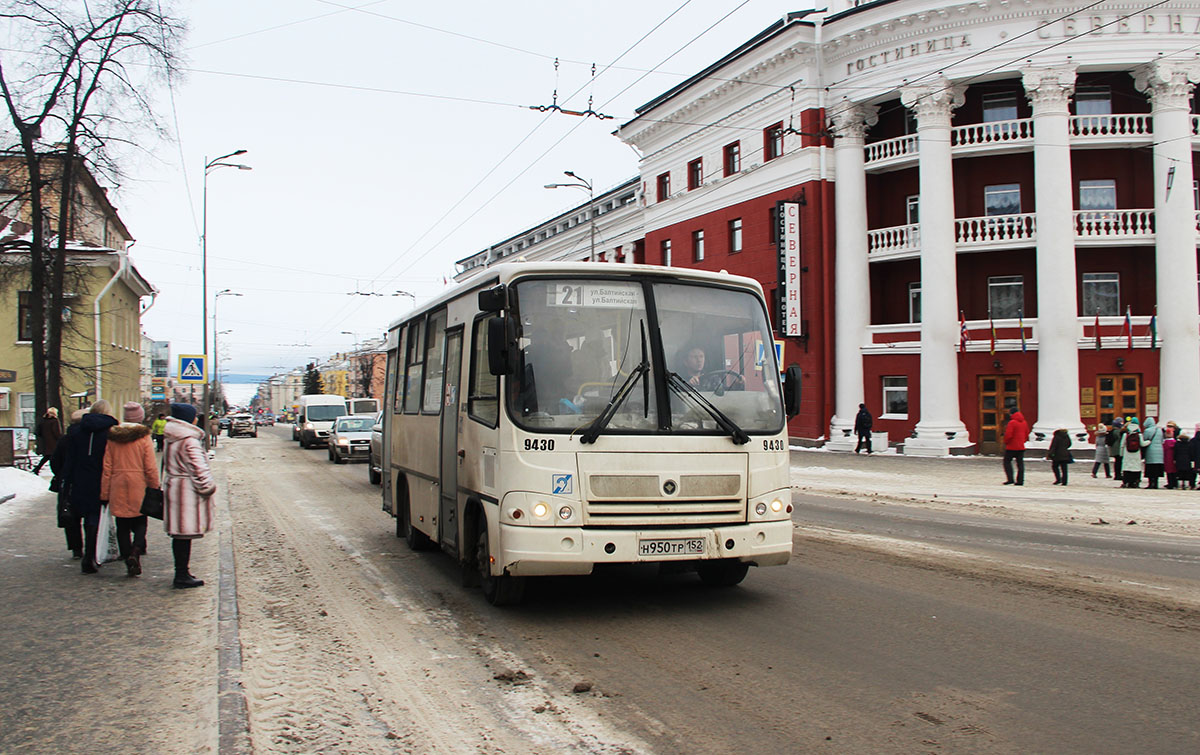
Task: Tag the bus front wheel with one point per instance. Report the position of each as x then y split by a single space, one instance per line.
499 590
724 573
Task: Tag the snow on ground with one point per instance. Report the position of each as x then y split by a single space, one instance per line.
30 489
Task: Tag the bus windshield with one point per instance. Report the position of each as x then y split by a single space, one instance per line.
581 340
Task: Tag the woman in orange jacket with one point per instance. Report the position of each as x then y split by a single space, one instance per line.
129 469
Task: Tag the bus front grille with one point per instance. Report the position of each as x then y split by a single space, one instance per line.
663 513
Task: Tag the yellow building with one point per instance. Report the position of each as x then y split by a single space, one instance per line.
103 292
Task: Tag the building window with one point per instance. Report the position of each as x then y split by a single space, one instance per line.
733 158
666 252
999 107
914 301
772 141
773 222
696 173
1006 296
895 398
664 187
912 209
910 123
1095 100
1101 294
697 245
735 235
27 403
1100 194
1002 199
24 316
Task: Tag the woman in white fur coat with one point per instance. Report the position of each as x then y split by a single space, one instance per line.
188 487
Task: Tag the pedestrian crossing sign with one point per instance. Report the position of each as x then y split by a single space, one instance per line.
193 368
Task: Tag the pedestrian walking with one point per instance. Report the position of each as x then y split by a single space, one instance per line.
156 430
71 525
862 428
188 488
1131 455
49 432
84 466
1015 435
1103 456
214 430
1152 451
1059 455
129 468
1184 470
1169 455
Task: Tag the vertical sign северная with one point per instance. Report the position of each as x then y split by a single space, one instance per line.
788 235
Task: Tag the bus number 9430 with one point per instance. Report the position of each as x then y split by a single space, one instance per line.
539 444
774 445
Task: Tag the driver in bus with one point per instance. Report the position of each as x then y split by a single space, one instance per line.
547 367
693 366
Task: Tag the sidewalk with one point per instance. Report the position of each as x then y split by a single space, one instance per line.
101 662
976 484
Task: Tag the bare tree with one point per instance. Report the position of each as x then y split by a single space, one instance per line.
75 94
366 373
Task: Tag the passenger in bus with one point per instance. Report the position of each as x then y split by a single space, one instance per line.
547 359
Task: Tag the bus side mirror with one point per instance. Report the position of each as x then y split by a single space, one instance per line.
792 380
499 354
493 299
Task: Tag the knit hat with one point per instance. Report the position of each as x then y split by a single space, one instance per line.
185 412
133 412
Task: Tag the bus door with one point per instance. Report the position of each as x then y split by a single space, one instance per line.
448 514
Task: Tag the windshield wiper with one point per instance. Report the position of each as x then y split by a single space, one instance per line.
640 371
685 390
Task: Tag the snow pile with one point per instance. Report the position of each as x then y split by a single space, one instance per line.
30 489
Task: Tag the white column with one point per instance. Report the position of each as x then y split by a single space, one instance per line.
939 428
1169 86
1049 90
851 293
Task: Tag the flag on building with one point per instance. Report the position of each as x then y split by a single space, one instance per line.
962 333
1021 325
992 327
1096 329
1128 329
1154 329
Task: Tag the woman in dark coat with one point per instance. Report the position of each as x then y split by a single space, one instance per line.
72 525
1059 455
49 431
85 465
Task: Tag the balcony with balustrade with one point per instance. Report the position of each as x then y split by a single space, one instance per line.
999 137
1019 231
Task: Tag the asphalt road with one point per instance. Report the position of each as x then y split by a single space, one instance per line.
850 648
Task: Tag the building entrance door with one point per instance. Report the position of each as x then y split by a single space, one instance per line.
998 394
1118 396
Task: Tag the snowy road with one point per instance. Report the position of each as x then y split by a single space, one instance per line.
353 643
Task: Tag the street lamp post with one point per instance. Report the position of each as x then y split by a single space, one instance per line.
209 166
216 333
586 185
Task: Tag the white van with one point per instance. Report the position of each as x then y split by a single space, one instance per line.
363 405
315 416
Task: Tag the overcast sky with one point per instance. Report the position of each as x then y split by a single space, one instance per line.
387 139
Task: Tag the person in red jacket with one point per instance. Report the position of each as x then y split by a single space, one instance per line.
1015 435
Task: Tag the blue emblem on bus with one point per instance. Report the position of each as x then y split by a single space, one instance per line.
562 484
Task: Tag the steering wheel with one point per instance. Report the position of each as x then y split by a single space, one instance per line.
722 380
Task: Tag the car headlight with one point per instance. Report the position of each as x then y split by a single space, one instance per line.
343 442
308 425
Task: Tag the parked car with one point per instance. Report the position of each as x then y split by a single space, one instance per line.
242 424
350 438
375 456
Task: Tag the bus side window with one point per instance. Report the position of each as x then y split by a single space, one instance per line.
414 368
434 368
483 402
395 383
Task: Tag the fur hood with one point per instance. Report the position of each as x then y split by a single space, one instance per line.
177 429
127 432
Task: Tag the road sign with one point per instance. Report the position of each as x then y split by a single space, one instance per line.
193 368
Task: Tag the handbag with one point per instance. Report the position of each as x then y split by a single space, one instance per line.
55 484
152 503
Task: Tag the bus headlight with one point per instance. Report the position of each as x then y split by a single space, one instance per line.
760 508
773 506
565 513
541 510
